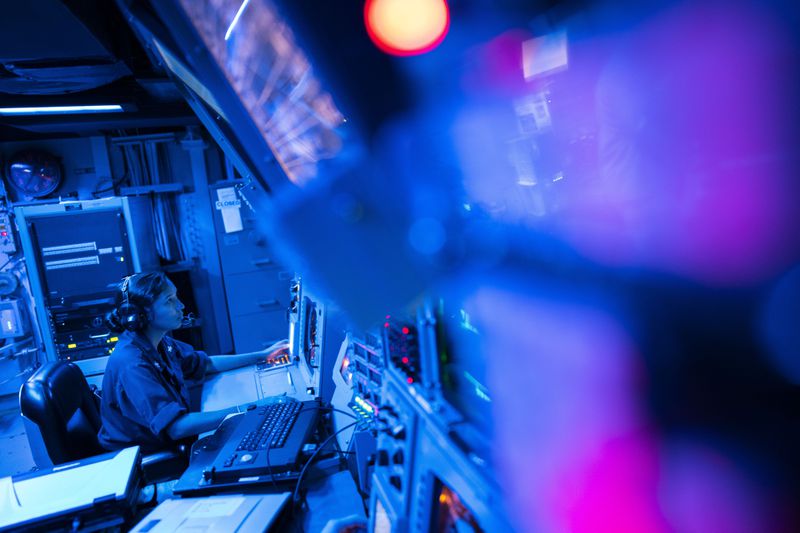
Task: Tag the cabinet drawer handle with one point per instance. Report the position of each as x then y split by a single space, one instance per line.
265 261
269 303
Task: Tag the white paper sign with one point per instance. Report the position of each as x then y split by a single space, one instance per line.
229 205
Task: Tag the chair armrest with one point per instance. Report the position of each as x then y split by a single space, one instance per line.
163 466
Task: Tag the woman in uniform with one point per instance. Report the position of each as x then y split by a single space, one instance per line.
145 397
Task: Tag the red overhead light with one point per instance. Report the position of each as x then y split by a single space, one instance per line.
406 27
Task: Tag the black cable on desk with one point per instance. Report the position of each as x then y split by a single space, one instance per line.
314 456
335 410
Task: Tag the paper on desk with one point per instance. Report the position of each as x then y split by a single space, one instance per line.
215 507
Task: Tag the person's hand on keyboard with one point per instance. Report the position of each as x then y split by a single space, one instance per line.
276 351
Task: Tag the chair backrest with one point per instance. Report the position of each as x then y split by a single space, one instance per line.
58 400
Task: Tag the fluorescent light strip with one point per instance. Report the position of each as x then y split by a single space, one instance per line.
61 110
236 19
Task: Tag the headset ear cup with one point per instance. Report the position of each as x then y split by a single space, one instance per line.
113 322
132 317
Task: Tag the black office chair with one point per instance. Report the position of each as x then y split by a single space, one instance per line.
58 400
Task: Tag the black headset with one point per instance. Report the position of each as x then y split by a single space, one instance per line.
131 316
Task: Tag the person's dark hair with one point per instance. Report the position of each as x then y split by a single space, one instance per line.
134 298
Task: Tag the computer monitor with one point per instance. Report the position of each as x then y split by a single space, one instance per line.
82 255
462 366
306 334
450 512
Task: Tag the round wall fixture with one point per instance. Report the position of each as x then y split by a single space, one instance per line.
8 283
34 173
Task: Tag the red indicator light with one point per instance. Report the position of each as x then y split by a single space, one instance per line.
386 325
405 360
4 233
410 380
405 331
406 27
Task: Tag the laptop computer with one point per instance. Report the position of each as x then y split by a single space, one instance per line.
91 493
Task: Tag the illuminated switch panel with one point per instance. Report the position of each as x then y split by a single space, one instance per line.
364 373
7 243
284 360
401 345
11 321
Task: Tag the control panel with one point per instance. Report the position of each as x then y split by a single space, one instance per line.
402 349
363 368
394 456
316 330
272 364
358 377
7 243
312 338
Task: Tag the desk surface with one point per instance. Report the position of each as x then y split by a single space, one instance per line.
241 385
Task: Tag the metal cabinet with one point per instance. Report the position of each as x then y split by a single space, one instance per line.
256 285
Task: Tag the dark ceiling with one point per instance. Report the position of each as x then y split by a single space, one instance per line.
69 52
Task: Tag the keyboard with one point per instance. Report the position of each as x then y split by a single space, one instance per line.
266 442
272 433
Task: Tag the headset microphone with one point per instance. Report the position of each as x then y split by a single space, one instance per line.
188 321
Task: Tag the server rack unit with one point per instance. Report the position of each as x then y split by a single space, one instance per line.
77 252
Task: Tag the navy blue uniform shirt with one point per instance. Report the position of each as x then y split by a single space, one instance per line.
144 391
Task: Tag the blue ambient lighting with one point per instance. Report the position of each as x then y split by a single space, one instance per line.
61 109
